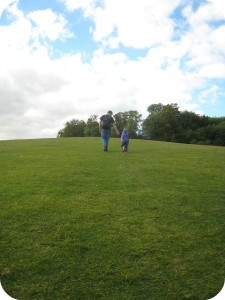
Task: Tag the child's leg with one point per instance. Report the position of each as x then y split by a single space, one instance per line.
123 146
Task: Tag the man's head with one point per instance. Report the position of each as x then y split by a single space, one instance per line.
110 112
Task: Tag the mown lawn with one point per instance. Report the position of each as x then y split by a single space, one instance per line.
80 223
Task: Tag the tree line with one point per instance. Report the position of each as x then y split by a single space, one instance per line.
77 128
163 123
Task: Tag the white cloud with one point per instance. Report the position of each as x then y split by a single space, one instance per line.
211 11
49 24
5 4
12 40
137 23
212 90
72 5
217 40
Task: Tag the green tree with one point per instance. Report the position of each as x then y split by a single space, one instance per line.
220 134
210 135
155 108
163 122
130 120
73 128
190 120
121 120
170 115
133 121
92 126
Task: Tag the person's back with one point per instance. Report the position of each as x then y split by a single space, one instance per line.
106 121
105 124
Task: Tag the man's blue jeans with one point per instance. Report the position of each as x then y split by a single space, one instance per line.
105 135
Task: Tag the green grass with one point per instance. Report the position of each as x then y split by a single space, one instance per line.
80 223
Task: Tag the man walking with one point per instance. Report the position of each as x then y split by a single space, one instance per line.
105 124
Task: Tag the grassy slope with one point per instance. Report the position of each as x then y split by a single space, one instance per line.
80 223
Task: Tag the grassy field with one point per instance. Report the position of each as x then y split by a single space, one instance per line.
80 223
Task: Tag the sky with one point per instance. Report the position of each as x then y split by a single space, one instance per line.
70 59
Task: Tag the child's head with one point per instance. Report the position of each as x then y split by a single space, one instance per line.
125 130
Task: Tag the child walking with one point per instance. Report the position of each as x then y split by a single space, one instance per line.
124 140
